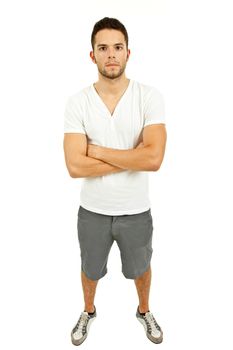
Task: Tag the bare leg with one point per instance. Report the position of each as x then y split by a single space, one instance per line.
89 288
143 283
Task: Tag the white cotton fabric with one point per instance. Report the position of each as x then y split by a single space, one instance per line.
125 192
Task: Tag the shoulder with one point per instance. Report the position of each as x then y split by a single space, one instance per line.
148 91
80 96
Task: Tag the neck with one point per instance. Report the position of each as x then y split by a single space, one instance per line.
111 86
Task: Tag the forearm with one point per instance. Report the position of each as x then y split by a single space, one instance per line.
90 167
139 159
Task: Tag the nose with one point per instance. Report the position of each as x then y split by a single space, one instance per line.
111 52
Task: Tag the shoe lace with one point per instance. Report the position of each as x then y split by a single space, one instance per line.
151 322
81 325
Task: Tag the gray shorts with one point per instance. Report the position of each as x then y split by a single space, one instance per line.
97 232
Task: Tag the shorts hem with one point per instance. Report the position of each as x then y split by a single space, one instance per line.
96 277
138 274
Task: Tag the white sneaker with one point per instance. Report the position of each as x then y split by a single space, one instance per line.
153 330
80 330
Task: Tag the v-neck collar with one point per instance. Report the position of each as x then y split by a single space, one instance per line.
118 103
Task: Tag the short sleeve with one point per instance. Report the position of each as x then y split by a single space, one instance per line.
73 117
154 108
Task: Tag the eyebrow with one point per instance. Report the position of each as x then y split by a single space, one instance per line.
107 45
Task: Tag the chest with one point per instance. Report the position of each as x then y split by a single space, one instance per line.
110 103
120 129
114 122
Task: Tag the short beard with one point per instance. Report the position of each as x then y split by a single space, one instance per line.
112 75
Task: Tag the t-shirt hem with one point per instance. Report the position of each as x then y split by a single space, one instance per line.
73 131
116 213
155 122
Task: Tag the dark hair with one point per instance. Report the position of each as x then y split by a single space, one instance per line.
108 23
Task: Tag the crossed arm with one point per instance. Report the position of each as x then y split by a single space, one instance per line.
94 160
140 158
147 156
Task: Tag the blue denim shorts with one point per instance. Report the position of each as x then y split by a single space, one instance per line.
97 232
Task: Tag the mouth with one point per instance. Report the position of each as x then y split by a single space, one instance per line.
112 65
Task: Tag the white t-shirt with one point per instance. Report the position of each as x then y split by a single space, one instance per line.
125 192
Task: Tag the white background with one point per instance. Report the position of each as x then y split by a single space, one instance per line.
184 48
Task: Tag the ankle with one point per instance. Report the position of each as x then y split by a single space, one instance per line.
143 309
90 309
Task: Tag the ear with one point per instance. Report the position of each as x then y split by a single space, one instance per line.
128 54
92 56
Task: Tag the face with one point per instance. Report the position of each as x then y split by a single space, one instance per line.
110 48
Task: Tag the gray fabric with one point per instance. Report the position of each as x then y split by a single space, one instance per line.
97 232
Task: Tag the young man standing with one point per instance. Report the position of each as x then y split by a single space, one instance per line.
114 134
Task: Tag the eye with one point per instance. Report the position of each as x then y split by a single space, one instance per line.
119 47
102 48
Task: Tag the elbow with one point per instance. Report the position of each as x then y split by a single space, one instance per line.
73 172
157 162
73 175
156 165
156 168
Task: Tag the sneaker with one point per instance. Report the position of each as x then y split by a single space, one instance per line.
80 330
153 330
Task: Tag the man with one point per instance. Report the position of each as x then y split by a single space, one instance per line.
114 134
